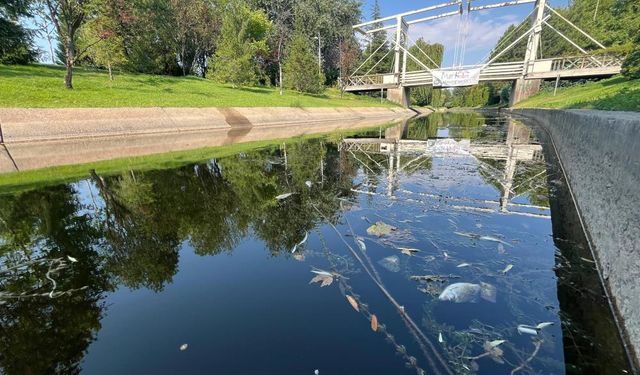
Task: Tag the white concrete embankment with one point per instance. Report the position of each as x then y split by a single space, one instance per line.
600 153
38 138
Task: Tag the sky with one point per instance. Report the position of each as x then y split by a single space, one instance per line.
484 27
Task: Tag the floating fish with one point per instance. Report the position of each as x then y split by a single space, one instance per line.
309 184
484 238
184 347
467 292
408 250
284 196
440 339
72 259
361 243
374 322
295 247
316 372
529 330
461 265
391 263
507 268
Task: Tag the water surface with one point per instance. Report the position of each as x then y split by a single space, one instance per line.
209 267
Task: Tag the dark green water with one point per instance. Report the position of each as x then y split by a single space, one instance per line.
201 269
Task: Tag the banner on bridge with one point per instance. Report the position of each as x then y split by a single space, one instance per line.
455 77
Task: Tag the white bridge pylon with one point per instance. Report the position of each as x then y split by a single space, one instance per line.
396 31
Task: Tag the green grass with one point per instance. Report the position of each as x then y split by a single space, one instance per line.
40 86
13 182
614 94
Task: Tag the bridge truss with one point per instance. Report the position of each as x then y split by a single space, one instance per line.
396 31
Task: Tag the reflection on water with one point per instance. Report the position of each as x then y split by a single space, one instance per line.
446 245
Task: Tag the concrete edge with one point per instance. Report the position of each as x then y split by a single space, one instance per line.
631 346
25 125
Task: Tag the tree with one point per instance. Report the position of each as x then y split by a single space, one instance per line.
242 42
109 51
377 54
631 64
16 42
431 56
301 63
68 16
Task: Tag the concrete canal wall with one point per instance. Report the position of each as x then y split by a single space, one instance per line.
39 138
600 153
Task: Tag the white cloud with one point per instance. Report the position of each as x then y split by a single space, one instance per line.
483 33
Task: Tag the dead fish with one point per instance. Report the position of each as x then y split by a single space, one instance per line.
284 196
361 243
507 268
467 292
529 330
309 184
494 239
184 347
72 259
391 263
295 247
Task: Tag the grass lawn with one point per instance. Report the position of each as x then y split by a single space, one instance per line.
613 94
41 86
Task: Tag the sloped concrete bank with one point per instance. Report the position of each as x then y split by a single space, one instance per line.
44 124
600 154
39 138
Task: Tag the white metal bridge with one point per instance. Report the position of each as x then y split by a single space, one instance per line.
525 74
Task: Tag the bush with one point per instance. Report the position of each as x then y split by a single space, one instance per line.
631 64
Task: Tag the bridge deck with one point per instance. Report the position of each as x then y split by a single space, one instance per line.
565 67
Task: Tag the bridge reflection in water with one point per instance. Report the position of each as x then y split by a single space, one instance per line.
516 146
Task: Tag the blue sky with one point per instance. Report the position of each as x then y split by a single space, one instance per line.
485 27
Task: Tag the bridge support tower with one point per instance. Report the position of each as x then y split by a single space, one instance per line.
400 95
522 88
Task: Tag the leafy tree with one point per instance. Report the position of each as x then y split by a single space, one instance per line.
631 65
109 51
68 16
16 42
300 66
430 55
242 43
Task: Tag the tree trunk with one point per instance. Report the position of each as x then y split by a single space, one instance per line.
110 72
280 65
70 46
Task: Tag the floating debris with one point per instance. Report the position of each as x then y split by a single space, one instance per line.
380 229
391 263
408 250
433 278
467 292
501 249
316 372
323 277
353 303
374 322
309 184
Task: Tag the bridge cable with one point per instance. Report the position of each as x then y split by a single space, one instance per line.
505 39
420 49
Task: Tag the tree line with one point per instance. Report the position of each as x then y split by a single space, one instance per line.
288 43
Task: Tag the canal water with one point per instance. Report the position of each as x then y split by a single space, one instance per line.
445 245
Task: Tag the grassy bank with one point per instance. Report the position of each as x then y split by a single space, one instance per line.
40 86
614 94
13 182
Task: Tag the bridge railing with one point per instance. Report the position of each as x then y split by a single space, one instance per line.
369 80
586 62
